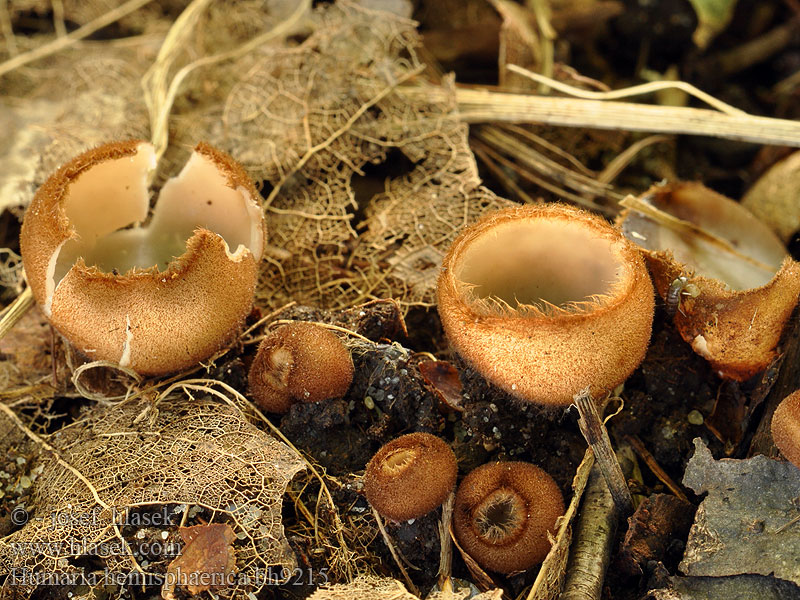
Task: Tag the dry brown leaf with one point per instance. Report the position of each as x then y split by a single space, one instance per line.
131 456
207 560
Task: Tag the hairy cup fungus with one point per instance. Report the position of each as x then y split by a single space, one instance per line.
503 513
544 301
299 362
773 198
410 476
156 298
744 285
786 427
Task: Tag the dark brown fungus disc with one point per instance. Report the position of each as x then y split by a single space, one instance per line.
410 476
503 512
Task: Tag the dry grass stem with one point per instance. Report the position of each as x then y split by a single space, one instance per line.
547 585
15 311
394 552
487 106
65 41
636 90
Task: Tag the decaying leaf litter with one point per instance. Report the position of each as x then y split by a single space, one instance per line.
368 173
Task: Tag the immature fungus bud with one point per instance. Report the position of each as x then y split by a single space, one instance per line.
544 301
786 427
503 513
410 476
299 362
744 285
155 298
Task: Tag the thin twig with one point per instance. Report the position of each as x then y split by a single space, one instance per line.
389 544
623 159
594 431
15 311
60 43
653 465
592 542
445 544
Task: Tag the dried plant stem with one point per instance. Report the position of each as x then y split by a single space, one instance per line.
445 544
155 82
530 177
486 106
624 158
7 30
554 562
389 544
164 96
594 431
653 465
65 41
592 541
636 90
482 152
15 311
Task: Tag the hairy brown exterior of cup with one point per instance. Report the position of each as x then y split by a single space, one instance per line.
152 320
786 428
503 513
410 476
594 333
299 362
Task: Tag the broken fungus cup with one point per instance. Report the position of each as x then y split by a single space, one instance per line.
546 300
740 284
786 427
299 362
410 476
503 514
158 297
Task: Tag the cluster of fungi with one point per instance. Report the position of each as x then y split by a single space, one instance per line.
543 301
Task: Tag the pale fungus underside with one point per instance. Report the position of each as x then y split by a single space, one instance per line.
154 295
544 301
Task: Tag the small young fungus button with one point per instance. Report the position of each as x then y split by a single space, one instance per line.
544 301
786 427
503 513
410 476
299 362
156 298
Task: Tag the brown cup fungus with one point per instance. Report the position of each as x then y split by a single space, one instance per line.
158 297
299 362
503 513
773 198
410 476
544 301
786 428
740 285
